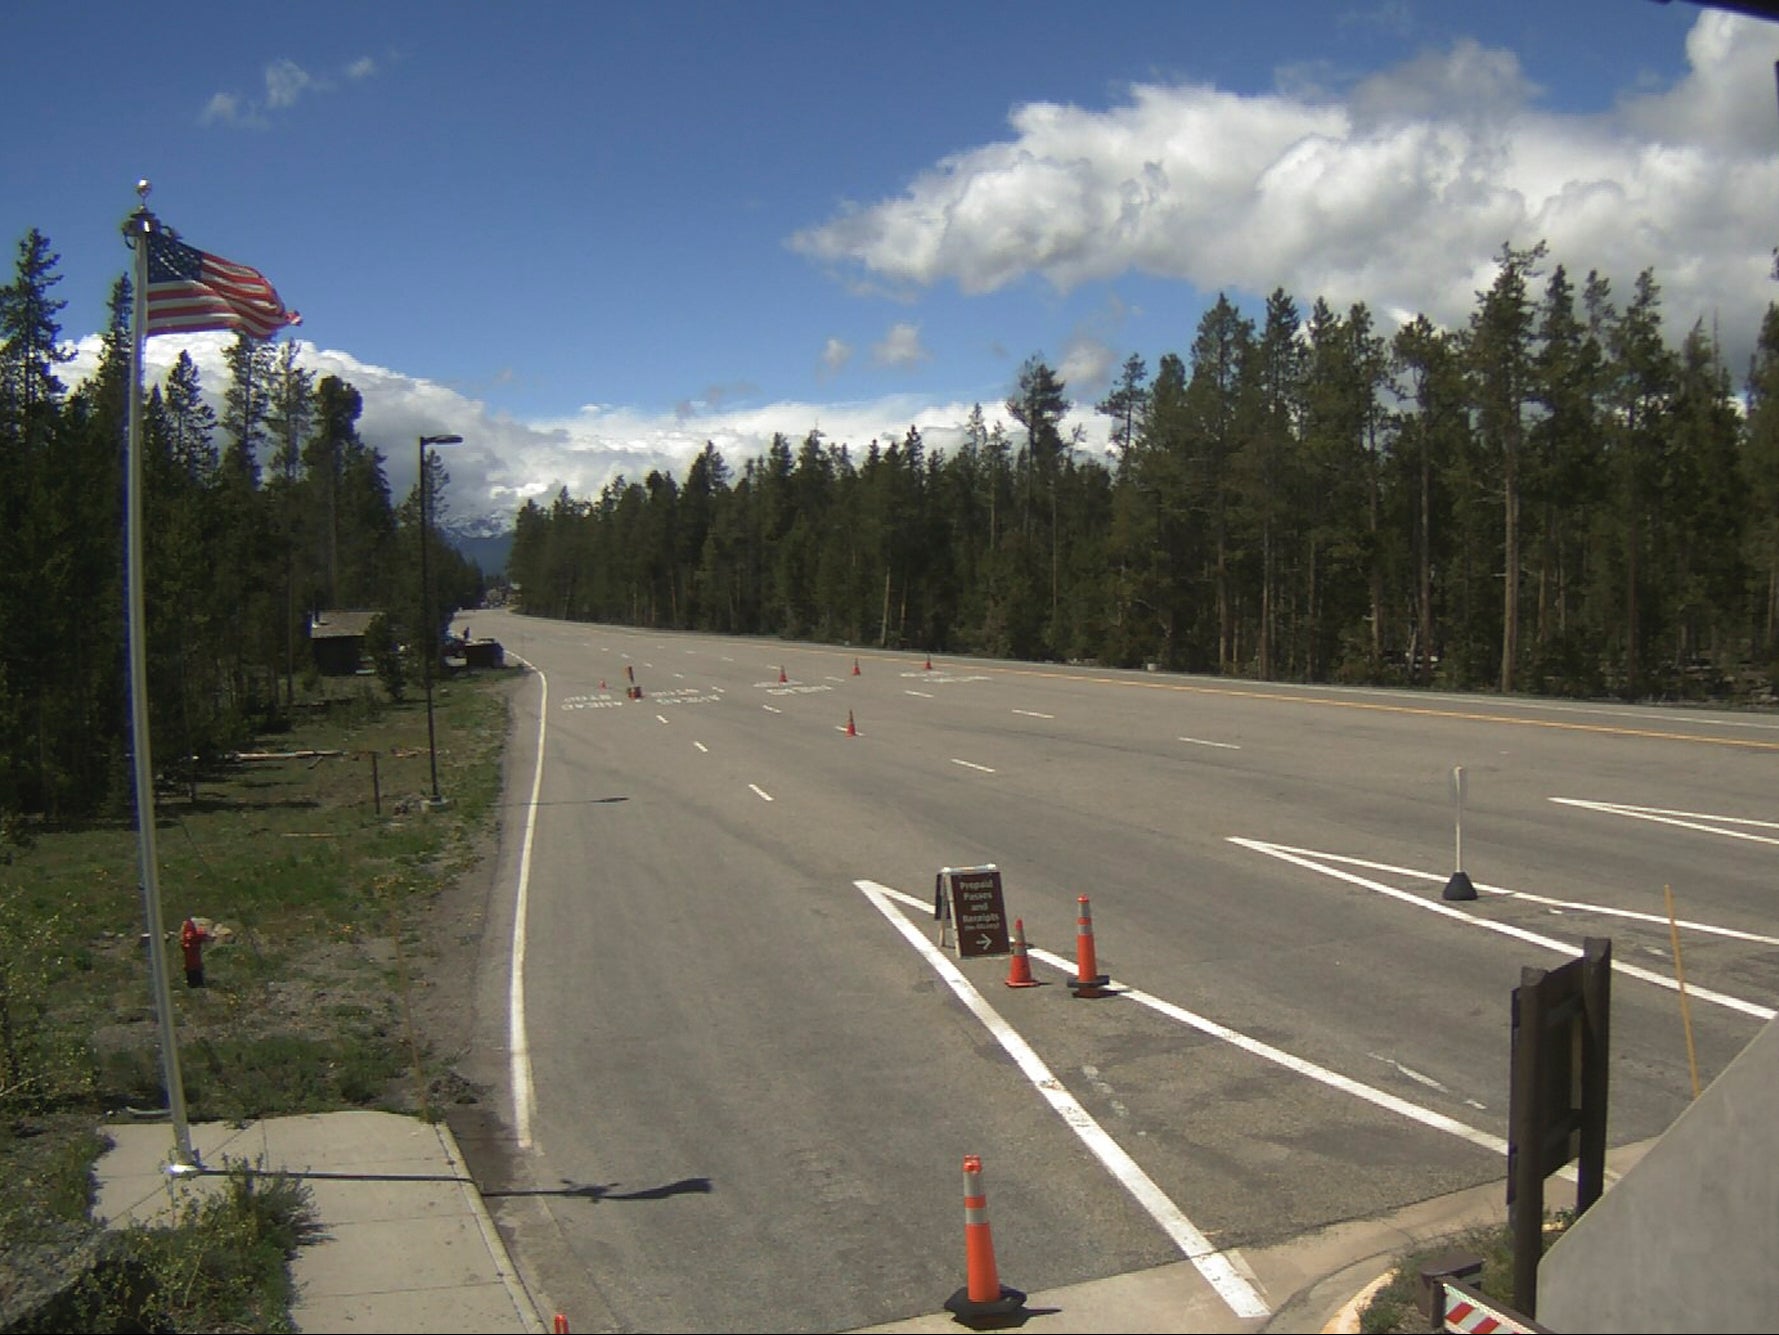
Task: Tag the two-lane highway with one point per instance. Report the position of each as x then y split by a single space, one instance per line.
739 1078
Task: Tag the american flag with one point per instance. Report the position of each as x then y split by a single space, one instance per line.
190 290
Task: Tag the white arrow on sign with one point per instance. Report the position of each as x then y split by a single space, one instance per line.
985 942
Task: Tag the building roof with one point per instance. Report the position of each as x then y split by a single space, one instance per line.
338 624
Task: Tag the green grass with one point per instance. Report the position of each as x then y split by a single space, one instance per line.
324 882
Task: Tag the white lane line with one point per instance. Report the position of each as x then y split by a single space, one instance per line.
661 717
702 747
968 764
1686 820
1302 857
679 676
1031 713
924 695
1266 1052
1200 741
1219 1271
524 1089
1572 905
761 792
772 709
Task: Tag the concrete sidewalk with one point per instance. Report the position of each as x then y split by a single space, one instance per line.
405 1242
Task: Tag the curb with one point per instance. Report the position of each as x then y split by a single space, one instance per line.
503 1263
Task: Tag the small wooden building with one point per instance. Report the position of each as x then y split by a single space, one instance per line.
336 638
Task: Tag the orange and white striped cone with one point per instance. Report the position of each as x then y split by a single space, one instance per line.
561 1326
855 667
984 1299
1088 980
782 679
929 663
1019 968
851 731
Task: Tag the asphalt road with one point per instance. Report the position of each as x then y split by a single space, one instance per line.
740 1078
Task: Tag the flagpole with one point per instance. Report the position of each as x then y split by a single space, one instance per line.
138 227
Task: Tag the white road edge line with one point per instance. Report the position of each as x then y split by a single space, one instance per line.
524 1091
1303 857
1217 1268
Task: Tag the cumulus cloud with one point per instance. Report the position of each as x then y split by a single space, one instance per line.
502 462
1398 192
900 346
836 353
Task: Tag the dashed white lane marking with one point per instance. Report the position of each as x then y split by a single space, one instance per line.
702 747
1305 857
1200 741
772 709
924 695
661 718
1031 713
763 795
1686 820
970 764
1217 1268
1409 1072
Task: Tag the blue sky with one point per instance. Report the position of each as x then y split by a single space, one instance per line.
590 237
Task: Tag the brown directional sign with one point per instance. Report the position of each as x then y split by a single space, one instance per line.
978 910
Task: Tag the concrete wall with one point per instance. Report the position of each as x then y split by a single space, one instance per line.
1688 1239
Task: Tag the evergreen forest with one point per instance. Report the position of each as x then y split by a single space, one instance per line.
1553 498
253 518
1550 499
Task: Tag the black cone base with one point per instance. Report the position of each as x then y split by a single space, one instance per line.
1004 1310
1459 887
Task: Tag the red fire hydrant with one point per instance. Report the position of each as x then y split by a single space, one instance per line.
193 937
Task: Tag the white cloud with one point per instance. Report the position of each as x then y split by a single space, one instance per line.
222 109
836 353
1397 193
502 463
900 346
286 81
286 84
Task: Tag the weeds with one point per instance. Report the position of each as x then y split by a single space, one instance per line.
322 866
1396 1308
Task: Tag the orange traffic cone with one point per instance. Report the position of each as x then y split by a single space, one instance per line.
1088 980
855 667
781 677
561 1326
929 662
1019 969
851 731
983 1300
602 683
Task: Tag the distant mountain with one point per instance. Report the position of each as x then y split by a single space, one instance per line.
486 540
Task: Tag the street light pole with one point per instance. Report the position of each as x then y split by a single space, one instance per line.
430 646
